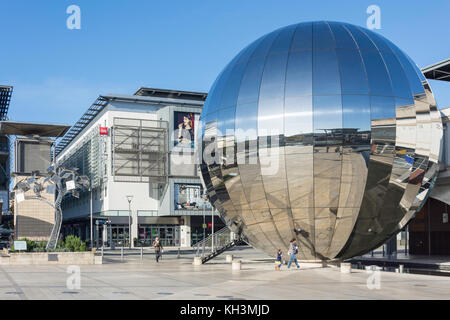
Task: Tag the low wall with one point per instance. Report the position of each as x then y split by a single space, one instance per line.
49 258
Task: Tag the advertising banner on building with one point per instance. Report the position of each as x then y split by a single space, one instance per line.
184 129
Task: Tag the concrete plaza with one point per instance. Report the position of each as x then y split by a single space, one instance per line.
176 278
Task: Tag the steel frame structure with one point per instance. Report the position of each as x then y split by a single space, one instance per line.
87 117
5 142
5 99
139 150
438 71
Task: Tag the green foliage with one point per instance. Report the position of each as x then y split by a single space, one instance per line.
60 244
32 246
74 244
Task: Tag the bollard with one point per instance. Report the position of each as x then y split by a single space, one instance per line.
98 259
346 267
236 265
178 256
400 268
142 252
102 251
197 261
121 253
229 258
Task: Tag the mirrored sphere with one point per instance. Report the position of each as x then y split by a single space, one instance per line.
321 131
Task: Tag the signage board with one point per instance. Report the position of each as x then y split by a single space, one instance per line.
103 131
20 197
20 245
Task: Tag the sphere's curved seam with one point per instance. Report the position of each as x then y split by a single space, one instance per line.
221 80
413 186
313 240
289 206
342 146
380 209
208 102
220 106
351 240
416 69
400 54
429 168
210 95
342 106
351 236
390 78
394 165
429 171
262 177
251 210
257 42
257 139
408 185
234 123
381 38
417 131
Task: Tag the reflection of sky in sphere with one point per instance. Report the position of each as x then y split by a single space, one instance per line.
311 76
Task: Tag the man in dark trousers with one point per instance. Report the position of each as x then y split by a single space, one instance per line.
293 250
158 248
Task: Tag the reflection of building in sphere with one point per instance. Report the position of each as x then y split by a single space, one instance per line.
322 131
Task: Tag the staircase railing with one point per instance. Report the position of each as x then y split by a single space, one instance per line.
214 240
216 243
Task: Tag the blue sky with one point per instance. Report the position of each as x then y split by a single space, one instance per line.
122 45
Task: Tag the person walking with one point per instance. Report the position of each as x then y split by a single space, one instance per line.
158 248
278 262
293 250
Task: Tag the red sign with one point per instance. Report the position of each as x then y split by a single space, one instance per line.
209 225
103 131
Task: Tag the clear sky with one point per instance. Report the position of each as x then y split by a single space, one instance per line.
57 73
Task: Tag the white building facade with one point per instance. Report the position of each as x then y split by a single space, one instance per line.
138 148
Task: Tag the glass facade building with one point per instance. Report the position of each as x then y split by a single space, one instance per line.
321 131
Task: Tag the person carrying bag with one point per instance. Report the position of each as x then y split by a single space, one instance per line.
293 250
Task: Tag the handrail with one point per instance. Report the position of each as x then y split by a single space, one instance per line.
210 236
225 247
216 240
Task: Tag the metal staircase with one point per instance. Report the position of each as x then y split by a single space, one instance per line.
216 243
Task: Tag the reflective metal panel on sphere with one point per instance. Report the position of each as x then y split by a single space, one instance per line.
322 131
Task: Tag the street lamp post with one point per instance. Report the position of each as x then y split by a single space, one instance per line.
91 216
129 198
204 223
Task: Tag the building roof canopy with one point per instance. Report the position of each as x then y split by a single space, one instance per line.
438 71
26 129
174 94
